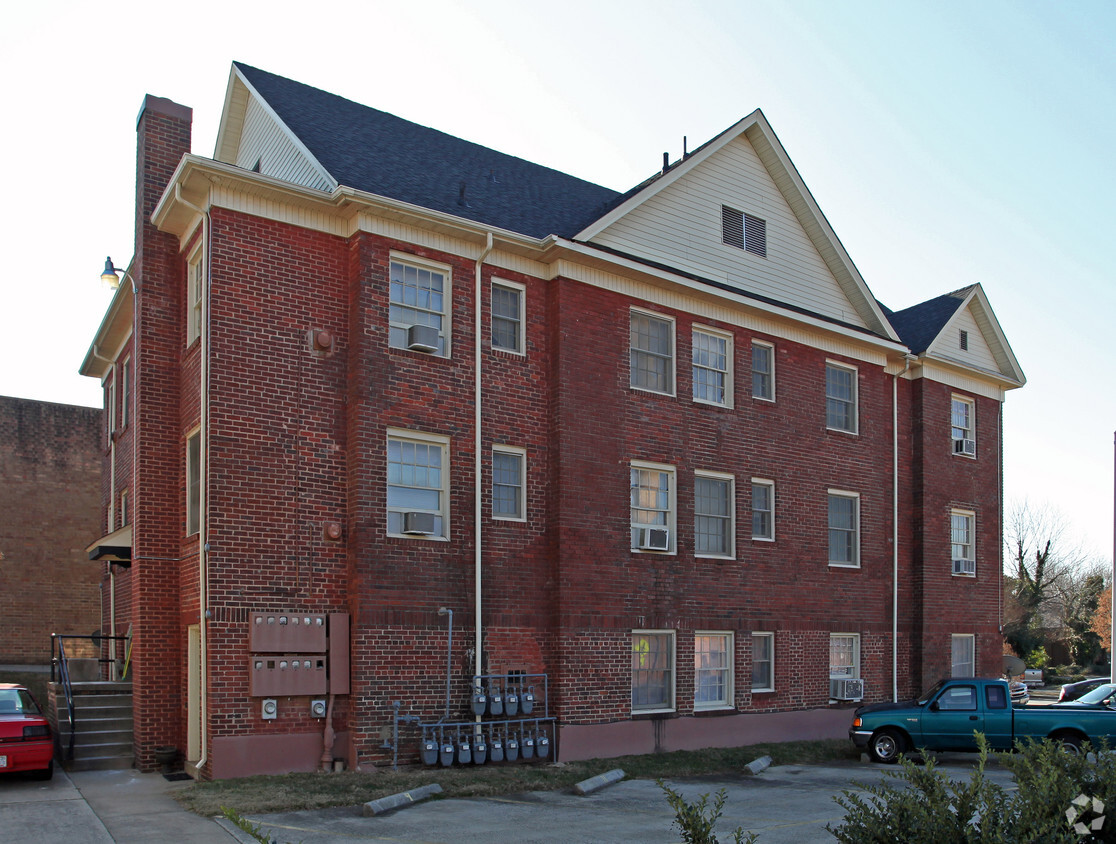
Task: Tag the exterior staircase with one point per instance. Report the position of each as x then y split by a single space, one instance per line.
103 718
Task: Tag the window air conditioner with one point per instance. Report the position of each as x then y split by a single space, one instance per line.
966 447
418 524
422 338
654 539
847 689
964 567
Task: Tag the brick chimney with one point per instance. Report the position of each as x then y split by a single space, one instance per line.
163 128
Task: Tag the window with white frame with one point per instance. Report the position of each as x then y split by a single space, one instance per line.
714 515
713 658
125 391
110 404
508 316
417 475
652 507
419 298
763 509
652 352
844 656
844 528
962 433
712 375
195 287
840 398
193 483
763 662
509 473
125 515
964 655
763 371
962 525
652 670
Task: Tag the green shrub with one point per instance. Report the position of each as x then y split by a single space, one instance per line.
696 821
1041 807
1036 658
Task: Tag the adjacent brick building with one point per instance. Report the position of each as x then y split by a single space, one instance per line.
661 452
50 498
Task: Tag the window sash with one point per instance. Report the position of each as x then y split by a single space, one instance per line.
712 357
417 297
713 516
195 274
712 670
763 510
843 530
652 353
961 536
840 398
652 499
652 671
507 319
963 657
763 662
763 375
844 656
507 484
961 419
415 481
193 484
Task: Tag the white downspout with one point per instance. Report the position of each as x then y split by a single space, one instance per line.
478 460
203 505
895 525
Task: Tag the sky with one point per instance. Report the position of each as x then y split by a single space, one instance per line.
947 143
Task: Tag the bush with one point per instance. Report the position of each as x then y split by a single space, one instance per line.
1054 790
696 821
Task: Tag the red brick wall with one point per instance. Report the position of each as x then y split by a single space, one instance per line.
50 465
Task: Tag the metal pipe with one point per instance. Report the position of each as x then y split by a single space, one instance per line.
478 463
449 656
907 359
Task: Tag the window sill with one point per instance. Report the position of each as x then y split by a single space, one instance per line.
722 709
641 713
763 539
412 537
763 691
844 565
648 392
842 431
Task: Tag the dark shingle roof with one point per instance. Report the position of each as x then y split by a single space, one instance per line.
374 151
919 325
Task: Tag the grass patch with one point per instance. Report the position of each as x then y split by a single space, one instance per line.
292 792
35 681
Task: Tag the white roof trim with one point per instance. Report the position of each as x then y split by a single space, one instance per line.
976 301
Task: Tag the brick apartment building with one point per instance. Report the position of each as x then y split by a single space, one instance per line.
50 501
402 410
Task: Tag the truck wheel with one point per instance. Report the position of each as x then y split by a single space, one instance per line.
885 746
1069 742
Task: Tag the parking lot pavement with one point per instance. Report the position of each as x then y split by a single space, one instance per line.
47 812
785 805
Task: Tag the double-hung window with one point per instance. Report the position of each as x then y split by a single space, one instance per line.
507 316
652 352
652 670
193 483
963 655
417 476
840 398
844 656
652 507
714 510
509 470
417 312
763 662
195 286
125 391
713 657
763 371
962 525
712 372
110 404
844 528
962 434
763 509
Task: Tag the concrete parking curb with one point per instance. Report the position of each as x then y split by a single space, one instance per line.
404 798
757 766
599 781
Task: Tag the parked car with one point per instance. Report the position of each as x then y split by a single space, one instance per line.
1072 691
26 743
1020 694
1102 697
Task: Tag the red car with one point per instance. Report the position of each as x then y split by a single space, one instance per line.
25 739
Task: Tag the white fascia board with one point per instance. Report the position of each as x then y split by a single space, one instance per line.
227 116
325 174
975 299
120 309
587 251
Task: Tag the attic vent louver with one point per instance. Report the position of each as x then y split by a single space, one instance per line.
964 340
744 231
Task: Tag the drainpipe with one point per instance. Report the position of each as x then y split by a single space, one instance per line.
907 360
478 462
203 528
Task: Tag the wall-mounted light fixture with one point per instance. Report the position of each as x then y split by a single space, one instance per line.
111 276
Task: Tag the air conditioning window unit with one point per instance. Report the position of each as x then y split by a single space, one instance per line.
654 539
966 447
846 689
422 338
964 567
418 524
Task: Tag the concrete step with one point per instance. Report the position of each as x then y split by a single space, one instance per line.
97 724
103 746
87 738
100 763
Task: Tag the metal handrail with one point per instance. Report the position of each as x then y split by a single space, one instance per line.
63 665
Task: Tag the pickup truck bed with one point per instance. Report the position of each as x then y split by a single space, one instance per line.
946 717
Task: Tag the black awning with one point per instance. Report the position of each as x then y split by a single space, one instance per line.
121 554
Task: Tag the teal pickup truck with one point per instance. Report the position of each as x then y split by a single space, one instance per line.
946 717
